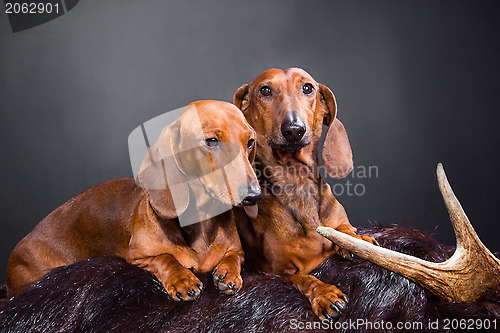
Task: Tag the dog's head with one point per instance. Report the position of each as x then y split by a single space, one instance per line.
207 152
287 108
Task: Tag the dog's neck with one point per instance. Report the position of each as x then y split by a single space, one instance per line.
202 205
293 179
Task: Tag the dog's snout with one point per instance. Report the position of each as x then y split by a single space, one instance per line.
293 128
250 195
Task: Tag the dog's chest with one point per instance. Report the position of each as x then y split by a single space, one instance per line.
288 217
296 201
210 238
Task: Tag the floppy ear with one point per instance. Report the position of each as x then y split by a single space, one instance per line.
337 154
162 178
241 98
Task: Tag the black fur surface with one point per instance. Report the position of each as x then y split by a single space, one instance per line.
107 294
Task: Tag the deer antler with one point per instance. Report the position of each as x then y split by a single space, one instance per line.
472 270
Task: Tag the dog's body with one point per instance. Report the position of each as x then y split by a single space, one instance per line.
287 109
140 224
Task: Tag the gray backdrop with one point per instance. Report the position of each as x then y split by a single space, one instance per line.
416 83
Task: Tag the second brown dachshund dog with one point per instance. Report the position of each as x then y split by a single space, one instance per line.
288 108
141 224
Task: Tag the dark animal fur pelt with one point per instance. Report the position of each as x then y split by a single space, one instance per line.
107 294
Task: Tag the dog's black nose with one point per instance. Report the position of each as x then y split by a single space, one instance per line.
250 195
293 128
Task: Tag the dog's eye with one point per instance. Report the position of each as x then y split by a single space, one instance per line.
266 91
211 142
250 144
307 89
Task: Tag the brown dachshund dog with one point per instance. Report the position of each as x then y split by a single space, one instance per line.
141 223
288 108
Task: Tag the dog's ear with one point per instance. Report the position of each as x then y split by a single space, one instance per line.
162 178
337 154
241 98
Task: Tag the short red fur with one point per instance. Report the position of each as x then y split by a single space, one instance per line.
120 218
297 200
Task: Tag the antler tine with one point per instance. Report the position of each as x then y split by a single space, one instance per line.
472 270
465 234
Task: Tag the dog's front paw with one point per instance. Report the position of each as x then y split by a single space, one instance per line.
351 257
348 255
228 281
328 302
369 239
183 286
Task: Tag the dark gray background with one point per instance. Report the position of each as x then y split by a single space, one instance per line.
416 83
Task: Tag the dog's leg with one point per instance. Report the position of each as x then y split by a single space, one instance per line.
180 283
334 216
226 275
327 301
